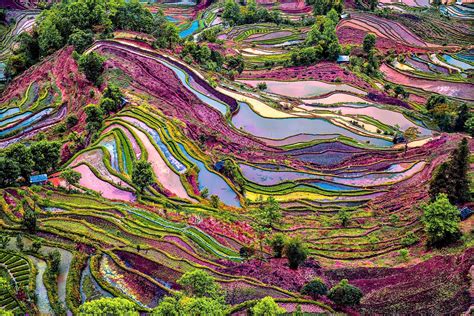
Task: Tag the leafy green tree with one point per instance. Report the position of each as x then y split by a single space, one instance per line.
344 217
113 92
410 134
231 13
204 306
4 240
72 120
5 284
107 105
267 307
441 221
36 246
178 305
314 288
463 116
344 294
469 126
19 242
278 245
452 177
296 252
95 117
72 177
81 40
236 63
459 168
435 100
50 39
108 306
29 220
92 65
55 261
134 17
373 4
198 283
270 212
215 201
369 42
45 155
9 172
165 32
142 174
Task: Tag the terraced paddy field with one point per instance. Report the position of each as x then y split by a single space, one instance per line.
196 151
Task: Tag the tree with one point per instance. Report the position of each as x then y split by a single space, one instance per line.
215 201
452 177
231 13
199 283
19 242
459 168
373 4
462 117
50 39
72 177
5 284
469 126
4 240
9 172
369 42
29 220
344 294
5 313
55 261
71 120
204 306
142 174
278 245
21 154
45 155
113 92
178 305
36 246
296 252
107 105
314 288
246 252
108 306
92 65
267 307
262 86
344 217
81 40
441 221
410 134
94 119
270 213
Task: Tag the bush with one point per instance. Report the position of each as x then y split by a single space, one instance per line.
278 245
267 307
344 294
314 288
296 252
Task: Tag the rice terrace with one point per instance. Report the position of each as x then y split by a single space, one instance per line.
236 157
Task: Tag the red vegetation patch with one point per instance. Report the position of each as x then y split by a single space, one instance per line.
61 69
349 35
324 71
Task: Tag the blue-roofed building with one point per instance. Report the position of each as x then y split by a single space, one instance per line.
465 212
39 179
219 166
342 59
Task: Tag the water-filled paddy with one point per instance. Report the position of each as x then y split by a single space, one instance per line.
251 122
213 182
31 120
302 89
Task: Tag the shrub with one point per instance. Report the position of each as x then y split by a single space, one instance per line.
314 288
296 252
344 294
278 244
267 307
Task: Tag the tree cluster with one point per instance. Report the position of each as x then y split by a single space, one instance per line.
451 177
18 162
450 117
321 42
235 14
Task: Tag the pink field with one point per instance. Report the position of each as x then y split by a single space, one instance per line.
452 89
164 174
90 181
